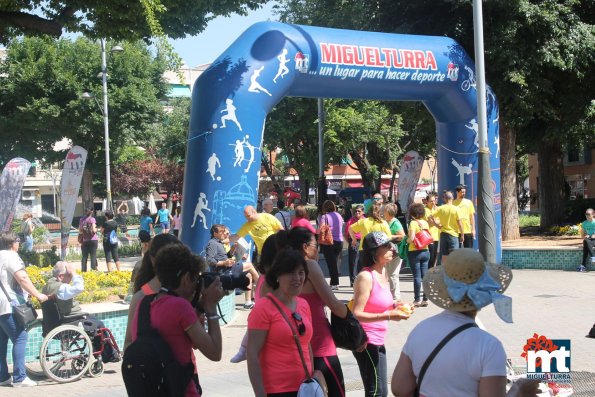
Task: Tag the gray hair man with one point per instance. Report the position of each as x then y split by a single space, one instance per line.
65 284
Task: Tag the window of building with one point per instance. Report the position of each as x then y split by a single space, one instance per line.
47 203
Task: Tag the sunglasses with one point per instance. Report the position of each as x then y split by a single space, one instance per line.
588 214
299 323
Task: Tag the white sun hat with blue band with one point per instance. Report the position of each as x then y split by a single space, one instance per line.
465 282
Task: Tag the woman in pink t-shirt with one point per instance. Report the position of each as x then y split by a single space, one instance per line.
374 307
173 316
274 362
301 219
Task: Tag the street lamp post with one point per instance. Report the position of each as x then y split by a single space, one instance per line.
104 111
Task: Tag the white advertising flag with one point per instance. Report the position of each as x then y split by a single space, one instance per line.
72 174
11 184
408 178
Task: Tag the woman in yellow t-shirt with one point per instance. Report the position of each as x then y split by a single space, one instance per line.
418 258
373 222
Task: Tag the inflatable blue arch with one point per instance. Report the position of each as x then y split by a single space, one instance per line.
271 60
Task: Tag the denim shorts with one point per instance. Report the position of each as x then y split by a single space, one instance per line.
448 243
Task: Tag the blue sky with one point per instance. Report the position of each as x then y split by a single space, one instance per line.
218 35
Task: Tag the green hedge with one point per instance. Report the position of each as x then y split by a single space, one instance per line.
40 259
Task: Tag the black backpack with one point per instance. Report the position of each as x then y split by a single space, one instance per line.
149 368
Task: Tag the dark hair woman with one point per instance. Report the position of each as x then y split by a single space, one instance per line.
319 295
146 282
16 284
172 315
111 250
418 257
88 229
274 363
374 307
331 253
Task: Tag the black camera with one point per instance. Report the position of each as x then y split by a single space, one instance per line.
229 281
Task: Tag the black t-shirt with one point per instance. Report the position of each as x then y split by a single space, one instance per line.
107 229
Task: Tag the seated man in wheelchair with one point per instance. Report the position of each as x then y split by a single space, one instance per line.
65 285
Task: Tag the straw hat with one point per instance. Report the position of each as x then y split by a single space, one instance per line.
465 266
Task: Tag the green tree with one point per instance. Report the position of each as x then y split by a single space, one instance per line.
292 127
169 136
117 19
539 57
369 133
41 81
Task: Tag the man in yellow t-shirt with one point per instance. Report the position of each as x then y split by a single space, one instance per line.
430 209
467 214
448 220
258 226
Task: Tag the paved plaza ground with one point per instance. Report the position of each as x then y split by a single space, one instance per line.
557 304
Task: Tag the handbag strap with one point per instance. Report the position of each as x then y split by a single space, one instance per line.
295 337
436 350
5 292
420 225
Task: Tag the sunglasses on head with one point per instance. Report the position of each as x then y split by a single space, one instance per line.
299 323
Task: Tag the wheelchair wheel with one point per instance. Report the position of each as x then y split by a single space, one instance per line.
96 369
66 353
34 369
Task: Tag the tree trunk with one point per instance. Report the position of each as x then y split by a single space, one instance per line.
508 186
551 183
392 184
87 190
305 185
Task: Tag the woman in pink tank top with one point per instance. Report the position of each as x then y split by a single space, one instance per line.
318 294
374 307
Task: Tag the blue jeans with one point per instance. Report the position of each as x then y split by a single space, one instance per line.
28 243
18 336
418 260
448 244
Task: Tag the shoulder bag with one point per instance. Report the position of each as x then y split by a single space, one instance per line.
23 314
423 238
310 387
347 332
325 235
435 352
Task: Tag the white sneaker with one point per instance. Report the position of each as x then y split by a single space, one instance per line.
25 383
248 305
593 259
7 382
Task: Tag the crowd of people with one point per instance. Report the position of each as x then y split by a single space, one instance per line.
289 337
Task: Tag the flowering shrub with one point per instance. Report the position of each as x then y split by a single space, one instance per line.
99 286
568 230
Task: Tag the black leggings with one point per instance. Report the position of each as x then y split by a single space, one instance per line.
330 366
372 368
331 255
588 250
89 247
433 248
111 252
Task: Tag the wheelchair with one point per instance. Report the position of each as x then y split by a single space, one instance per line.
68 350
